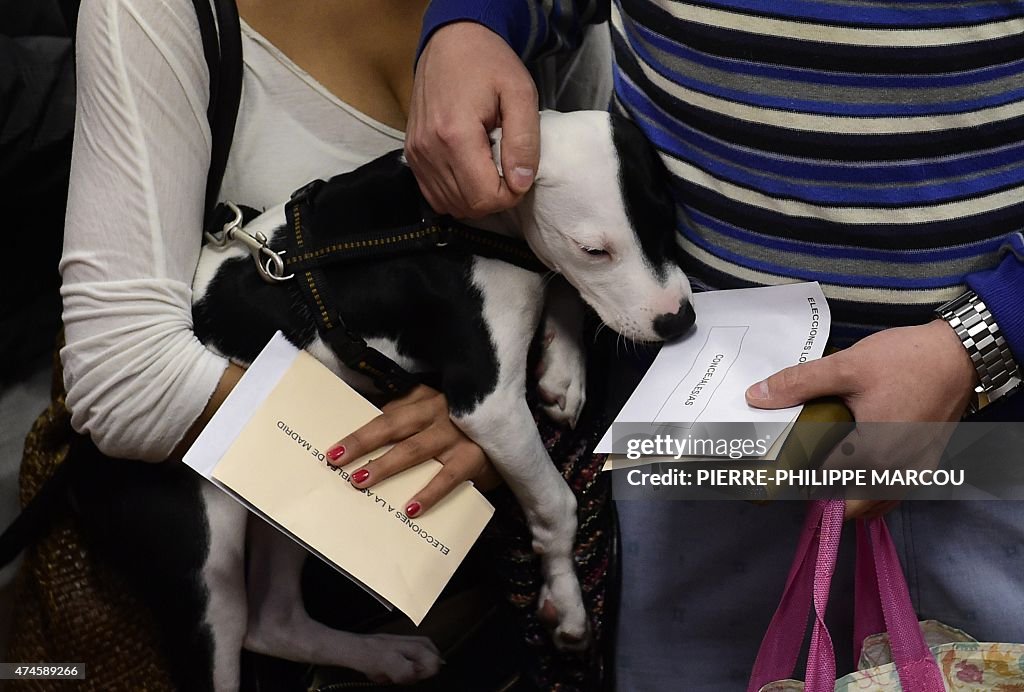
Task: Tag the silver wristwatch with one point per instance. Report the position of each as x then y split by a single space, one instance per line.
998 373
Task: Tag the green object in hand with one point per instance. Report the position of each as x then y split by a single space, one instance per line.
821 425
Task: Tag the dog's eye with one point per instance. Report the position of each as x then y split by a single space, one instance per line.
594 251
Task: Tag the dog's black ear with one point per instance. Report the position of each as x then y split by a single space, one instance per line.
381 194
643 181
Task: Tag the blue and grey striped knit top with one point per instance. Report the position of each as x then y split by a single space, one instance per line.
876 147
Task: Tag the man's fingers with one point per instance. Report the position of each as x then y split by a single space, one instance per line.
476 176
436 184
470 187
794 385
442 201
520 138
855 452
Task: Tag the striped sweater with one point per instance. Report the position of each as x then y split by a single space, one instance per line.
876 147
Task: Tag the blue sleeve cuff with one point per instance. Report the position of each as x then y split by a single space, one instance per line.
510 19
1002 289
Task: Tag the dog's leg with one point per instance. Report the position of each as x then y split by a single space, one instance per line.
224 578
280 626
562 370
502 424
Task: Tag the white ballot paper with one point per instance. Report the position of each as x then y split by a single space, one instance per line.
265 447
741 337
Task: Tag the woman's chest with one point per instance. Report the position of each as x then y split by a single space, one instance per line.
361 51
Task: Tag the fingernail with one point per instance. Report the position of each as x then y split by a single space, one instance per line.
758 391
360 476
413 508
335 452
523 175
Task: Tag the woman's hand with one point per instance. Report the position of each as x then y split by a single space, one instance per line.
907 374
419 427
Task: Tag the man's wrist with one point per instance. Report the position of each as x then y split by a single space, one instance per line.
963 378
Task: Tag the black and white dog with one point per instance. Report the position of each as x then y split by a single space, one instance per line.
599 216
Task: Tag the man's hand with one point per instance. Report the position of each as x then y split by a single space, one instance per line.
469 81
419 427
908 374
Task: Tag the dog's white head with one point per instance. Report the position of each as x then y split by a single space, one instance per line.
599 213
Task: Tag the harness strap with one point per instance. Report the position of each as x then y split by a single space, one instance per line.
351 348
432 233
222 48
305 258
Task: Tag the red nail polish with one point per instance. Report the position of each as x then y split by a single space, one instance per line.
334 453
360 475
413 508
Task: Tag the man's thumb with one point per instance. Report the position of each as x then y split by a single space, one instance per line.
520 143
798 384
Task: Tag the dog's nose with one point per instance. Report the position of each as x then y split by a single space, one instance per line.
669 326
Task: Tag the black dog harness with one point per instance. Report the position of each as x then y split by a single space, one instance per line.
316 238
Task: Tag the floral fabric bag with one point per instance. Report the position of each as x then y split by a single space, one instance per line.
894 651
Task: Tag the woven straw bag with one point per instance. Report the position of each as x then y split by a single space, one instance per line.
69 605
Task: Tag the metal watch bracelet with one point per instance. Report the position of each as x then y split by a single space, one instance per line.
998 372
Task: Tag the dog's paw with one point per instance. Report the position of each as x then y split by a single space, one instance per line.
562 376
395 660
560 605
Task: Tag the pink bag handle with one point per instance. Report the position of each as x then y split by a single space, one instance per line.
915 663
780 648
881 591
867 605
821 659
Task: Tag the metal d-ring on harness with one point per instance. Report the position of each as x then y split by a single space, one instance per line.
269 263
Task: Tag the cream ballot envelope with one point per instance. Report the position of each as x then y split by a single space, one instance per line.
265 447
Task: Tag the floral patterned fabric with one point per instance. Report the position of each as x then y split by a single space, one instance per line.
966 665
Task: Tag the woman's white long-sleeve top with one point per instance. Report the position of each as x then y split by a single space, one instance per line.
136 376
